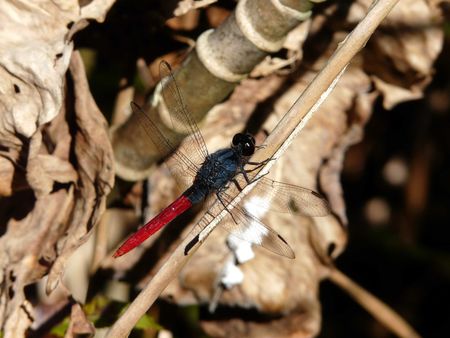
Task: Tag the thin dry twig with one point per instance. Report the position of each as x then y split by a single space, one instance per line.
381 311
276 143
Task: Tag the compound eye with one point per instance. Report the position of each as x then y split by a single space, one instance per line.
248 149
237 139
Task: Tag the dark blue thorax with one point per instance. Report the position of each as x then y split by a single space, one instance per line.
214 174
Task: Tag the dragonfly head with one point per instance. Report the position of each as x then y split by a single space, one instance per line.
245 143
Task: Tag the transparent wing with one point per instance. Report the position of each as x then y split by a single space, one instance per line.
179 163
283 197
249 228
180 116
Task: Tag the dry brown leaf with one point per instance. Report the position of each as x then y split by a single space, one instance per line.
79 324
44 188
45 170
401 53
216 15
34 55
27 249
95 169
19 321
6 176
298 324
185 6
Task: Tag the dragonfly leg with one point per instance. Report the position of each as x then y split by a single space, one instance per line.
236 183
246 172
262 146
219 197
260 164
257 166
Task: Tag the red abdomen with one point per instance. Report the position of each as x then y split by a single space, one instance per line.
180 205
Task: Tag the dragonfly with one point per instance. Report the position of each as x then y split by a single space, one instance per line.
210 175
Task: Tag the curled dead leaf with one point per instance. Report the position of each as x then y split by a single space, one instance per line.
95 168
401 53
79 324
35 51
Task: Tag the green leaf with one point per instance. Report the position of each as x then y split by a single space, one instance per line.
60 329
147 322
